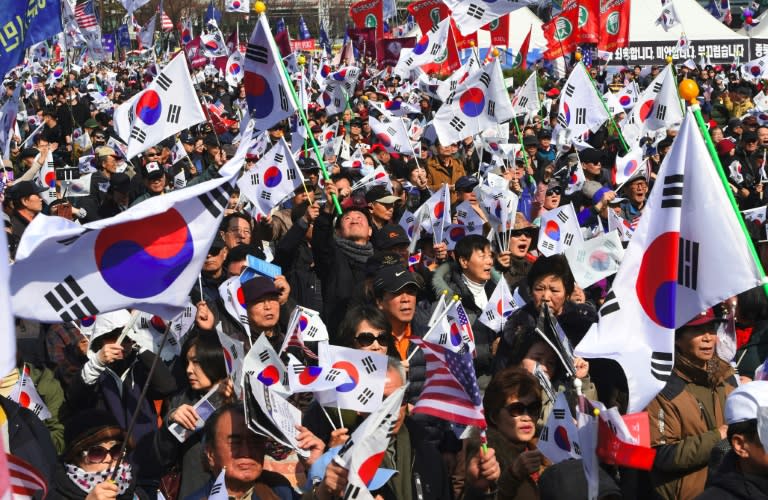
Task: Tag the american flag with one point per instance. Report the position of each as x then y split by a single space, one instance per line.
25 480
85 16
451 391
167 24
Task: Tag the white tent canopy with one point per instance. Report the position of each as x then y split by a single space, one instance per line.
520 21
695 22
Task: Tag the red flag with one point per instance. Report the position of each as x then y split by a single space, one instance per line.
463 42
499 29
588 21
521 59
560 33
611 450
194 56
368 14
283 42
388 50
428 13
448 64
614 25
364 41
220 124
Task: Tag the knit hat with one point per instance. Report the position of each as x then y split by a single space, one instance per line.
88 428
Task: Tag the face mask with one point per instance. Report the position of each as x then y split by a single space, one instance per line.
86 481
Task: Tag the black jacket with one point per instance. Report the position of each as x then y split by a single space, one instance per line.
294 256
730 483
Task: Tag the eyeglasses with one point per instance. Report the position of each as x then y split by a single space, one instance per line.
555 190
516 233
152 154
244 232
97 454
367 338
518 409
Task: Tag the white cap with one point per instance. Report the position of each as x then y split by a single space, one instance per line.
744 403
105 323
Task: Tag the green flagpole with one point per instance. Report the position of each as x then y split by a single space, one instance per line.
260 9
605 106
689 90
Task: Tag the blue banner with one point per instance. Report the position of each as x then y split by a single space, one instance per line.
23 24
108 42
123 37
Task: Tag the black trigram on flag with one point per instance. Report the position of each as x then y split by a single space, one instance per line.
174 112
72 239
581 116
611 305
485 79
568 239
69 301
688 264
544 436
254 179
368 364
436 49
672 194
257 53
522 101
491 315
491 111
163 81
310 332
266 195
263 356
563 216
351 492
570 89
365 396
661 365
279 158
296 368
391 131
561 120
559 413
475 11
215 489
138 135
656 88
409 61
215 200
457 123
332 375
661 112
443 339
547 244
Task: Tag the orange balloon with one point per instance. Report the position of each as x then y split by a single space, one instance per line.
689 90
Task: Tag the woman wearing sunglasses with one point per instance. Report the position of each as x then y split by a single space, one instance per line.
512 405
93 444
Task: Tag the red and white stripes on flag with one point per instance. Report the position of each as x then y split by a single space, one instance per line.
445 393
25 479
166 23
85 16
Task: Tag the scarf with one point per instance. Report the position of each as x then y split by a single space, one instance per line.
714 374
353 251
86 481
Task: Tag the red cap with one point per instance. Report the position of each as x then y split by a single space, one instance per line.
725 146
552 93
705 318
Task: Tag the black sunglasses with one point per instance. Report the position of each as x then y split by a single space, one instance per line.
516 233
367 338
97 454
518 409
555 190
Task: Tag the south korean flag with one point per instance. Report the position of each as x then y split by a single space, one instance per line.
272 179
212 43
472 15
559 230
367 371
432 46
167 106
581 108
391 133
266 86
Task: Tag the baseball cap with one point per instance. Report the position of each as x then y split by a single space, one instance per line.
120 182
706 317
187 138
153 170
22 189
257 288
380 194
103 151
394 278
466 183
530 140
744 403
389 236
590 155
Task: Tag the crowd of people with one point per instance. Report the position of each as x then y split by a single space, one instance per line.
375 290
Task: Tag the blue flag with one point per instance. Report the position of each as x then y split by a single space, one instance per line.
303 29
25 24
325 43
123 37
108 42
212 13
280 26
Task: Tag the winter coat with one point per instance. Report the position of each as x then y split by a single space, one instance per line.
685 417
294 255
729 483
49 389
438 174
449 277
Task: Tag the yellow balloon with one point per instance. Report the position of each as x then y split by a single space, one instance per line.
301 60
669 59
578 56
259 7
689 90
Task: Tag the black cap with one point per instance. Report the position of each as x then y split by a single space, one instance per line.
530 140
590 155
257 288
187 138
22 189
749 136
466 183
545 133
389 236
153 170
380 194
120 183
211 140
28 153
394 278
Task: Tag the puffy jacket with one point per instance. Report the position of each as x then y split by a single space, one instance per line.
439 174
729 483
684 419
49 389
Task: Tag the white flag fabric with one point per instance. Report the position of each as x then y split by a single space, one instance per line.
666 110
148 331
595 259
576 179
628 95
219 488
308 324
146 36
581 107
263 365
668 18
612 102
656 293
468 217
266 86
526 100
272 179
8 121
617 223
587 432
471 15
628 166
755 69
363 453
234 300
147 257
234 357
133 5
559 438
501 305
479 103
431 47
391 133
367 370
235 68
8 343
641 111
167 106
237 6
756 215
212 43
26 395
438 209
450 84
314 378
559 230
